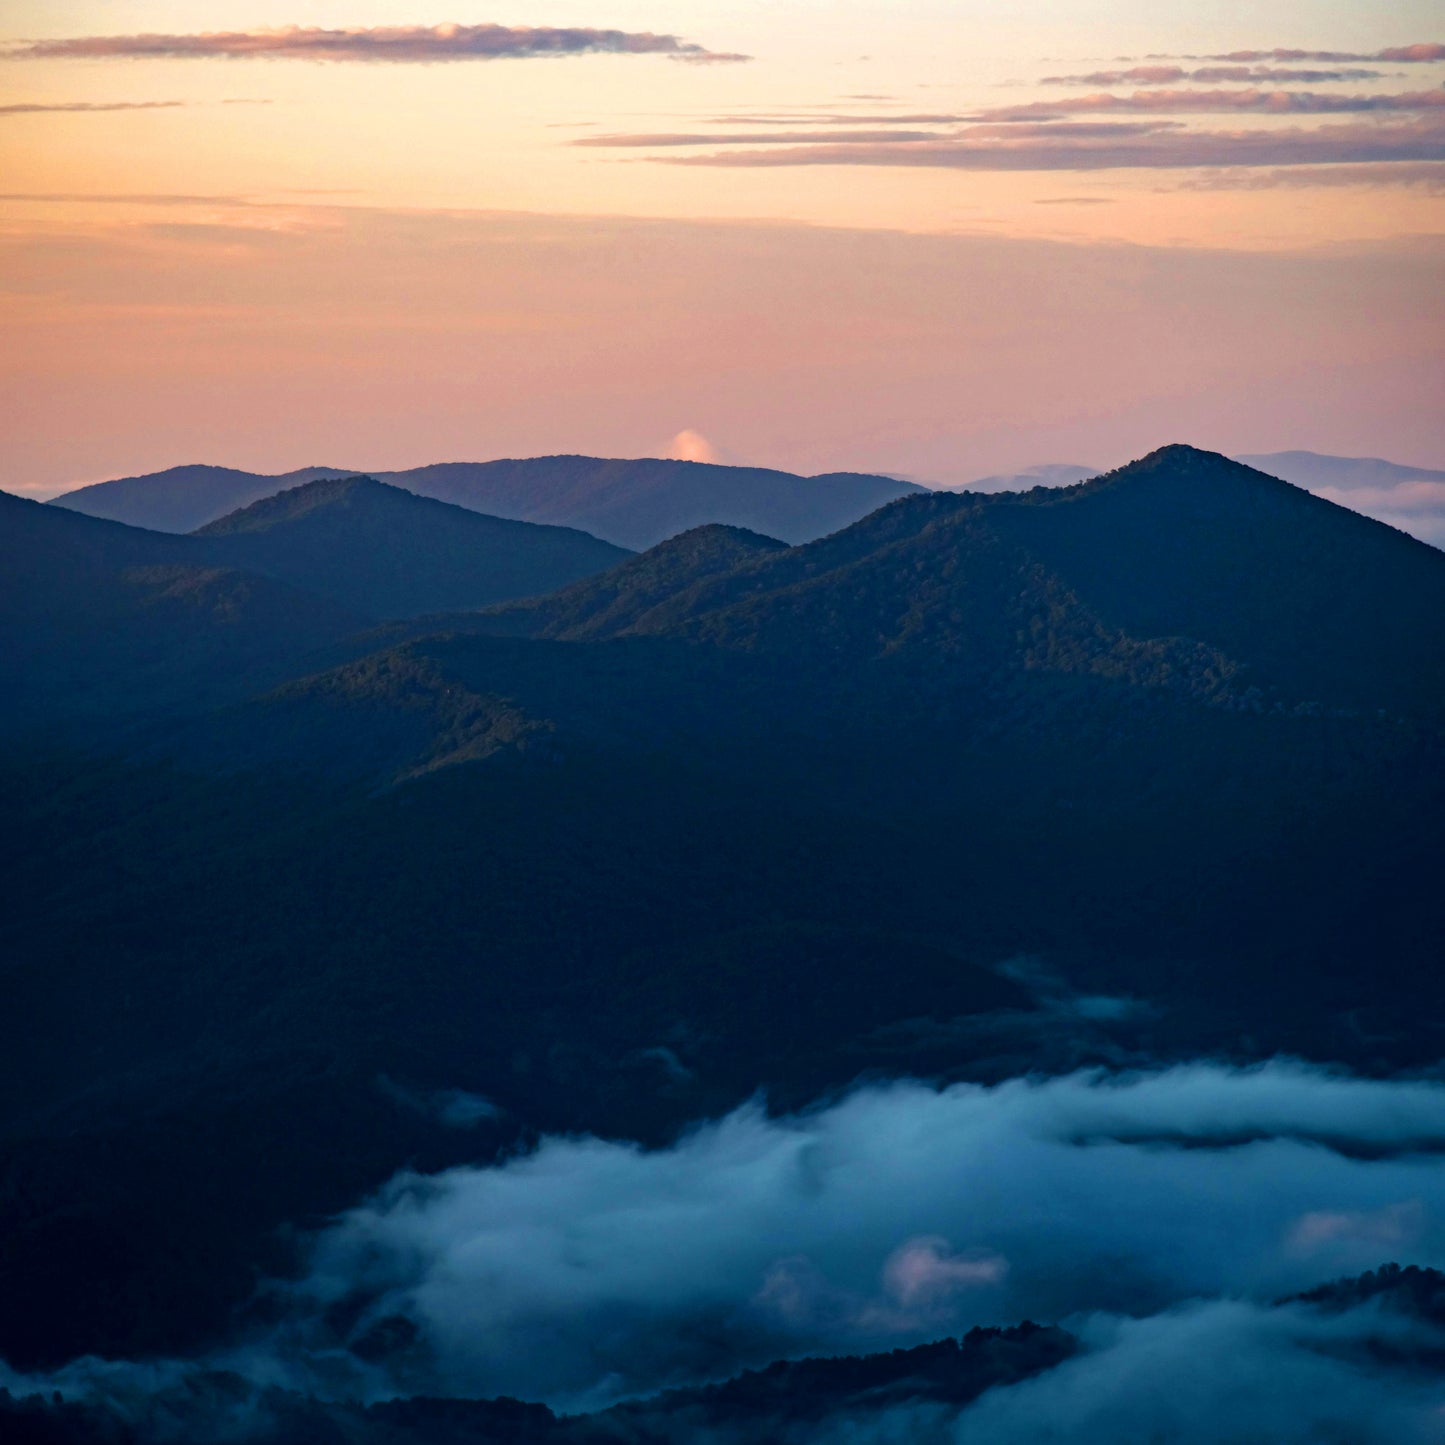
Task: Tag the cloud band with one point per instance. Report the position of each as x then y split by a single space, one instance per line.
396 43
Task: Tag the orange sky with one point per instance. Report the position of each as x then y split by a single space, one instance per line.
268 261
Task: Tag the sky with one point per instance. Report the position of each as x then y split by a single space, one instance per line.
939 238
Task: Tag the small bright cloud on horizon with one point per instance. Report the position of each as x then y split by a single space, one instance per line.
166 255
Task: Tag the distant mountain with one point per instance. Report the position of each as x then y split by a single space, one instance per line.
1314 470
388 553
640 503
633 504
1410 498
1050 474
181 499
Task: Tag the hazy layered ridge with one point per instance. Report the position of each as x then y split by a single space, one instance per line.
180 499
633 504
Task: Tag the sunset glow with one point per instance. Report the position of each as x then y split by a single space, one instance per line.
370 234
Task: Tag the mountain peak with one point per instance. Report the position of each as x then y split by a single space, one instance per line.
1180 457
297 502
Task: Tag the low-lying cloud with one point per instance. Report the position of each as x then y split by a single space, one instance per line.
587 1269
1222 1371
409 44
1414 507
1202 1373
1155 1214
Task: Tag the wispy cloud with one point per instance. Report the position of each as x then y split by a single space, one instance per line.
667 139
1169 74
1080 147
1420 53
1411 175
78 107
1255 100
397 43
804 118
139 198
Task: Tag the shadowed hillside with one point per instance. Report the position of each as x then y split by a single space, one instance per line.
108 622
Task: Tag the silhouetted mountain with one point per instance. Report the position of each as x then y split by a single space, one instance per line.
1183 569
1326 605
633 504
1410 498
738 816
388 553
180 499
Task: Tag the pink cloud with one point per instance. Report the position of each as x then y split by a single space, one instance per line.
1386 1228
923 1272
401 43
1040 147
1169 74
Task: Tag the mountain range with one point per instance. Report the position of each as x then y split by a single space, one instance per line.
636 504
618 851
105 620
632 504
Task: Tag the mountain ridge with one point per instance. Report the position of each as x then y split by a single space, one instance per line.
632 503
